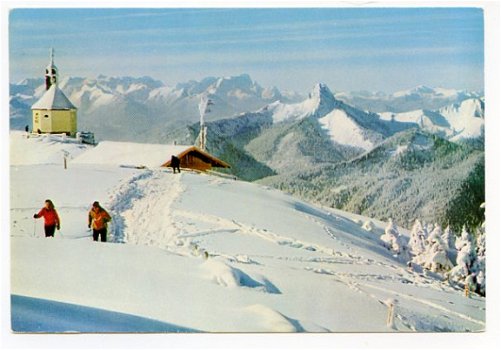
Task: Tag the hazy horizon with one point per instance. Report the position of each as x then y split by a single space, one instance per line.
372 49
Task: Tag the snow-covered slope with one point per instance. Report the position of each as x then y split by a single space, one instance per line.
202 253
410 175
130 154
44 149
466 119
345 131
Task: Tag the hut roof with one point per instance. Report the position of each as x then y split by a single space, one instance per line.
54 98
140 154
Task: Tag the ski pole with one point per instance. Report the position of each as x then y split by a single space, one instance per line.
34 227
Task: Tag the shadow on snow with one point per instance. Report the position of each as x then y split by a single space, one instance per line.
32 315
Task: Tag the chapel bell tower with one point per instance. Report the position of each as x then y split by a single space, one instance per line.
51 75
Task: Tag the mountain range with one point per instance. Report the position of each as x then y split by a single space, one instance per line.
145 109
420 164
419 155
419 97
324 129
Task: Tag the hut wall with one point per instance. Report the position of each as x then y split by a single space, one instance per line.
194 161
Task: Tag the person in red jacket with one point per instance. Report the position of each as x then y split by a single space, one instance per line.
51 219
98 220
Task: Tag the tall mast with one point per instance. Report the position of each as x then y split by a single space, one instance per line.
203 108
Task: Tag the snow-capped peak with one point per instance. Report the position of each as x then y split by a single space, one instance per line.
322 99
321 91
457 121
465 118
226 85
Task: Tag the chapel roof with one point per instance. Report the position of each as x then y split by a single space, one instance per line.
54 98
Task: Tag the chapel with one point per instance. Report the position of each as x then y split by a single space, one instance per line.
54 113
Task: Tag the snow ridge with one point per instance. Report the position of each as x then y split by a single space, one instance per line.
121 200
133 213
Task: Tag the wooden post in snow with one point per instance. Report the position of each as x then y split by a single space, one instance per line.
65 157
390 319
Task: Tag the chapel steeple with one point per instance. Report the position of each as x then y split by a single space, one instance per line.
51 74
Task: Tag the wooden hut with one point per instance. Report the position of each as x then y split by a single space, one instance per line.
194 158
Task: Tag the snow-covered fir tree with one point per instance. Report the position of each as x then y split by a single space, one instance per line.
478 266
435 235
417 239
394 241
449 238
465 257
428 228
435 258
481 283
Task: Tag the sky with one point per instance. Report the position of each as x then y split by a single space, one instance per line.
349 49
